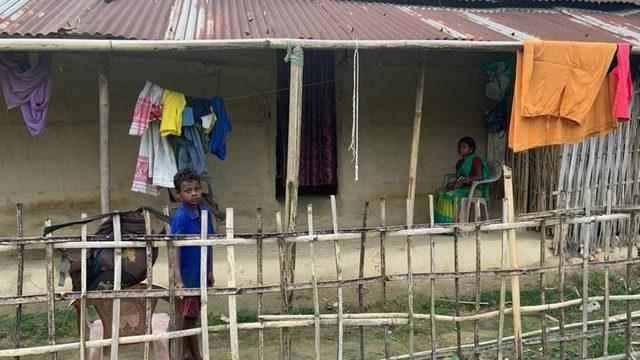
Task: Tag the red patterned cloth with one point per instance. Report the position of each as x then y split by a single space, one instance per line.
148 108
190 307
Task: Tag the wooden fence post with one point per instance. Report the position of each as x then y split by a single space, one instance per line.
20 283
513 251
233 311
51 295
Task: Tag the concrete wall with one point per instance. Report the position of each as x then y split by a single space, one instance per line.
57 174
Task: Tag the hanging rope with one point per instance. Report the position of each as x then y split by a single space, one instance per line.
355 131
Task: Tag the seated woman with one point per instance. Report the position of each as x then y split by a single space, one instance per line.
469 168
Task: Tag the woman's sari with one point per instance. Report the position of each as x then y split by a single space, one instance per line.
447 201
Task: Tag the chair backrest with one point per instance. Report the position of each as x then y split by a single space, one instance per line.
495 171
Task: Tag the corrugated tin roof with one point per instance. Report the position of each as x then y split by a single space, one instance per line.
308 19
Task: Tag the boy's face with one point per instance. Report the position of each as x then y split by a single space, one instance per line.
191 192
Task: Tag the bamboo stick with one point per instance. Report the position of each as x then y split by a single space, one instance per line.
561 269
117 283
476 324
296 58
204 298
83 288
383 261
338 258
513 251
608 228
456 286
282 255
158 293
175 346
314 281
149 264
383 271
269 325
503 286
410 283
634 224
20 283
231 273
363 240
104 125
585 277
260 280
415 138
543 292
139 241
51 301
432 293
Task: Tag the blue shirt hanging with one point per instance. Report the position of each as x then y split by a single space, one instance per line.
222 127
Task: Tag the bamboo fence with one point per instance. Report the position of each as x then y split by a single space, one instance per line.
607 167
628 220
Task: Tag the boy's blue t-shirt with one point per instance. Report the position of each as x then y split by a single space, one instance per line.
187 222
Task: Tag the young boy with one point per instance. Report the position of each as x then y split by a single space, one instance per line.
187 222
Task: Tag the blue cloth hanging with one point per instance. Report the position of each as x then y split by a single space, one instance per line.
222 127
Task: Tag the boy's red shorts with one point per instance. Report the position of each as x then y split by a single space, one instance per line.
190 307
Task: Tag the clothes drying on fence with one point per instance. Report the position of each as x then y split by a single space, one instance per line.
620 84
561 94
148 108
173 104
28 87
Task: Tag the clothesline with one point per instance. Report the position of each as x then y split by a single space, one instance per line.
277 91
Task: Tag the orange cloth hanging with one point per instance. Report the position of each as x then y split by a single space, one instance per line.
561 94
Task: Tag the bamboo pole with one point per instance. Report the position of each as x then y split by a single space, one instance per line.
231 273
296 59
456 289
338 257
410 283
117 283
51 301
608 228
632 239
585 276
543 292
363 240
83 288
204 298
383 272
415 142
561 270
432 292
155 46
314 281
503 286
355 321
383 260
282 256
105 166
175 345
476 324
513 255
260 280
149 264
20 283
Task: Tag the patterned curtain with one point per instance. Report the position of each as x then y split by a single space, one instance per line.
318 149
